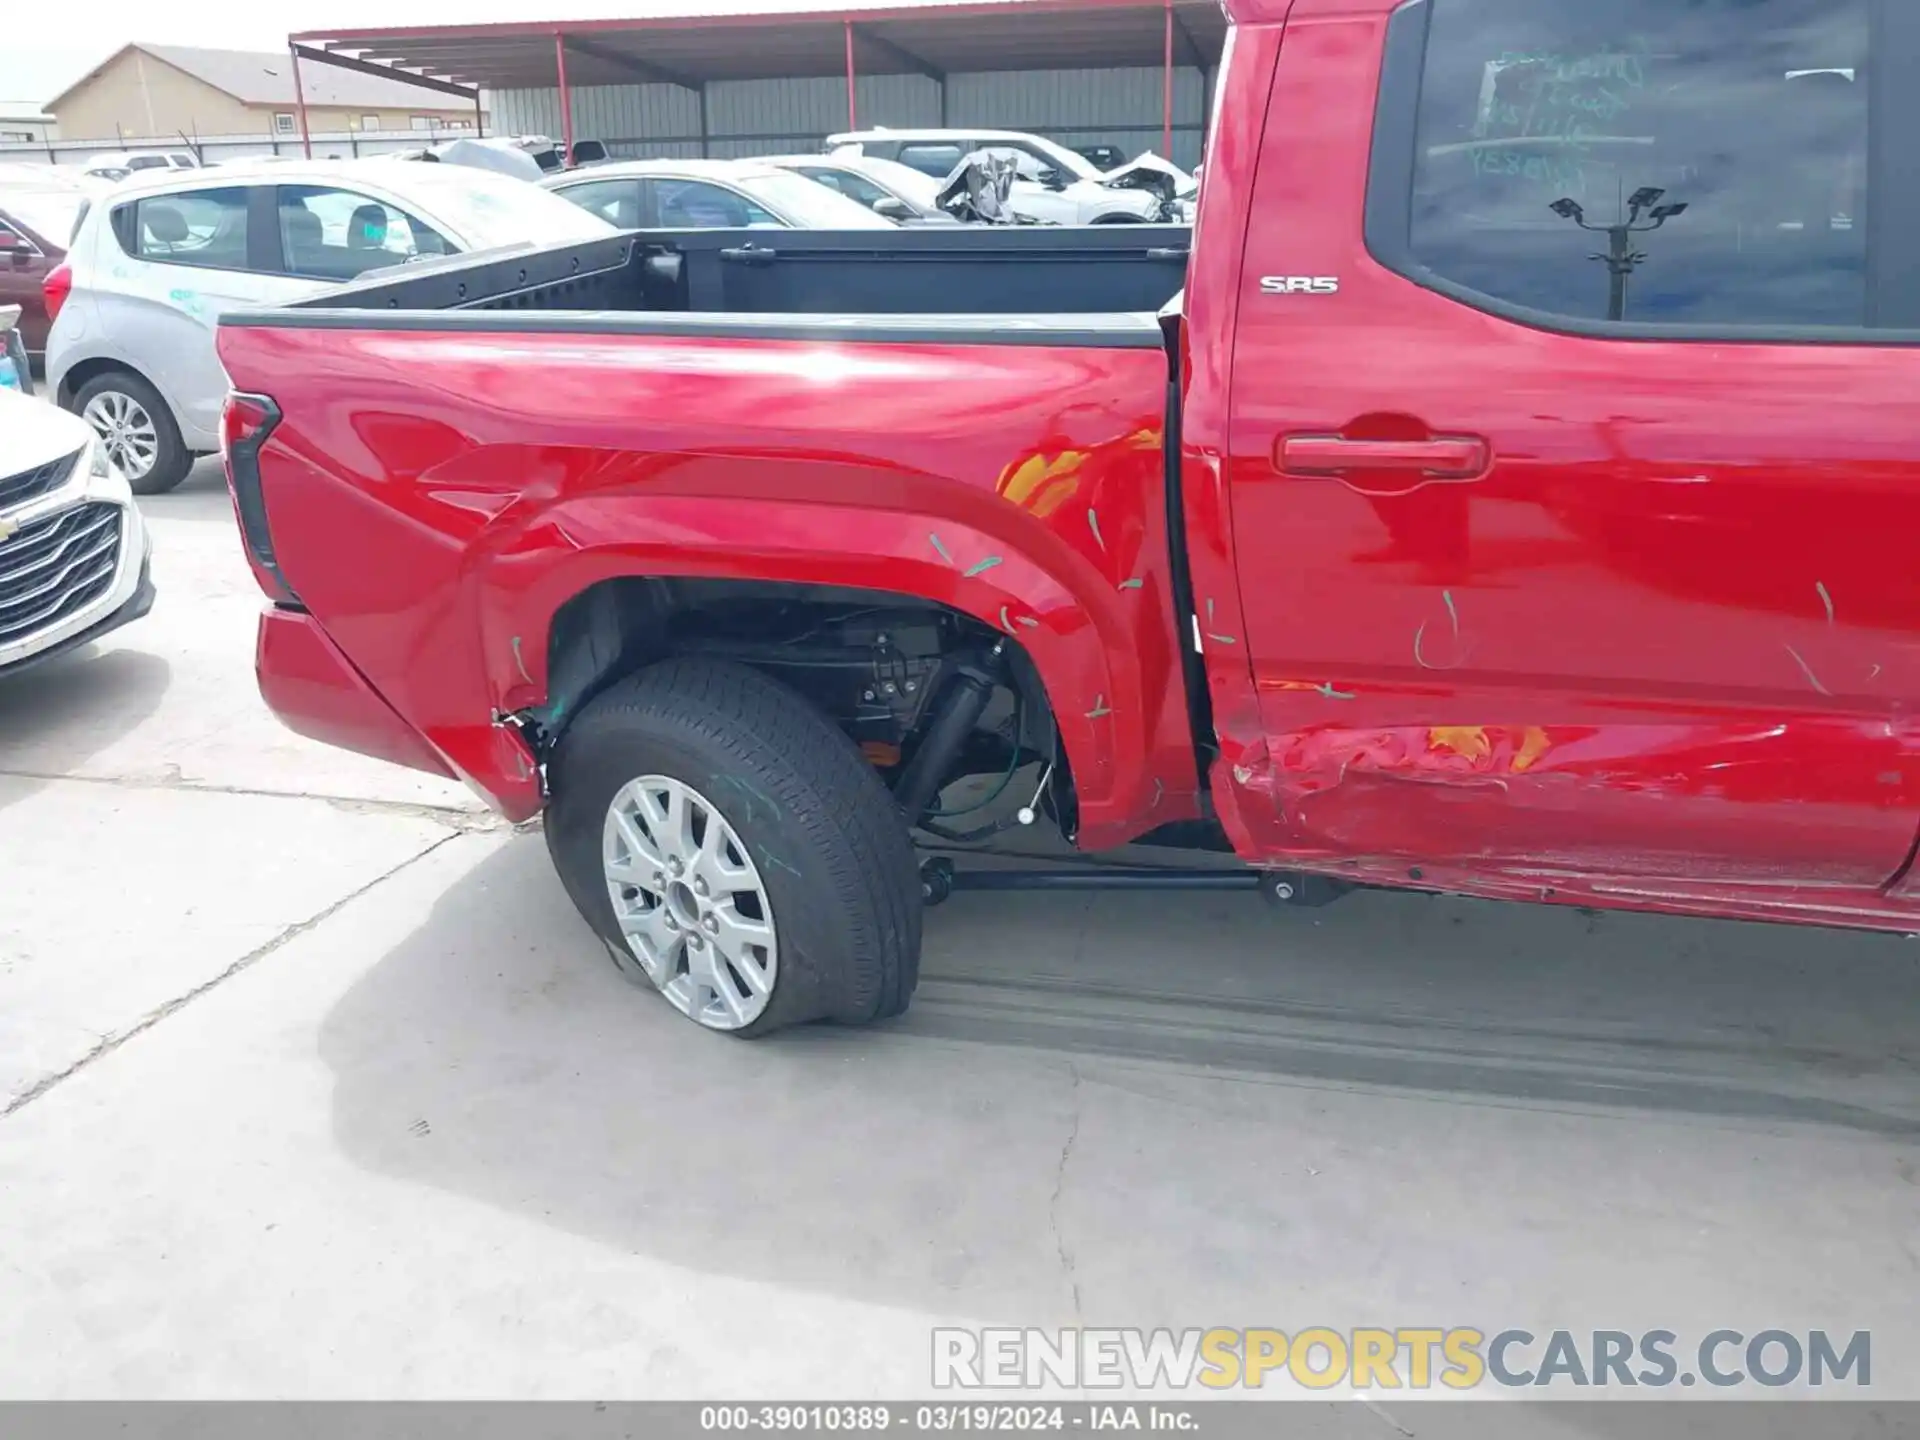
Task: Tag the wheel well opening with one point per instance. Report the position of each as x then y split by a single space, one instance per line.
72 382
949 710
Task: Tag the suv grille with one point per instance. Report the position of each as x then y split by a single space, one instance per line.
32 484
55 567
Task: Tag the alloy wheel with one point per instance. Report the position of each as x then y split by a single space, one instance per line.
126 431
690 902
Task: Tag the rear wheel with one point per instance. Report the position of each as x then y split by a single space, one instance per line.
735 851
136 429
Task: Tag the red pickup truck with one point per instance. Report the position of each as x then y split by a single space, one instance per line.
1520 501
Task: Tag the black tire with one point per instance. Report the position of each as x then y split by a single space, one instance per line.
172 460
842 881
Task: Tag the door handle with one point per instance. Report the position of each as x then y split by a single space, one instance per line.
1411 463
750 254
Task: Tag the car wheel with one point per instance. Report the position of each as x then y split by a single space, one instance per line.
735 851
136 429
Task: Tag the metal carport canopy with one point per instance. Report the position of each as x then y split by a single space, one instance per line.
690 50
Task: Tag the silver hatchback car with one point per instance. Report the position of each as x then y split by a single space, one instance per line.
155 262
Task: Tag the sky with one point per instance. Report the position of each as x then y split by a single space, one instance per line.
38 67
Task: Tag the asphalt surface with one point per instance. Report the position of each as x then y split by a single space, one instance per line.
315 1085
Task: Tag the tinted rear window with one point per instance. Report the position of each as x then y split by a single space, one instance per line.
198 227
1693 164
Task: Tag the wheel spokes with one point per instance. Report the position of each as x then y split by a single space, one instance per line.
690 902
653 943
641 850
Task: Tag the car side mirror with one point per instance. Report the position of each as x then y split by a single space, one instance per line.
1053 180
893 208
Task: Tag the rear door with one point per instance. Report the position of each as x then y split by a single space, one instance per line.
1574 492
23 266
185 256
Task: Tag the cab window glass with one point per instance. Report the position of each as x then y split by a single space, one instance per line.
696 205
936 160
1689 165
615 201
196 227
334 234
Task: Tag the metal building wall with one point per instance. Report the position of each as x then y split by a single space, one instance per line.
744 117
1085 107
610 112
769 117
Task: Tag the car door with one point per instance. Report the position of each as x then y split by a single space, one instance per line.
185 257
23 266
1573 494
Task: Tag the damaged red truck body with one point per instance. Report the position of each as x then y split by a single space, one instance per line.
1518 502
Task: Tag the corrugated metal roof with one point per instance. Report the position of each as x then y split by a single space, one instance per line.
266 78
691 49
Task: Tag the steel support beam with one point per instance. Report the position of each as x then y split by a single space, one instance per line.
566 100
640 69
299 104
853 108
385 72
1194 55
1166 90
897 53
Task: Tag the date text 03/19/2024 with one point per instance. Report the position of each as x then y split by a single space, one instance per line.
942 1418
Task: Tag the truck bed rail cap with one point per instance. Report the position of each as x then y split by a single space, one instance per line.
1116 331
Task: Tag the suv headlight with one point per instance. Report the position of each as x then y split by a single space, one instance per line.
98 466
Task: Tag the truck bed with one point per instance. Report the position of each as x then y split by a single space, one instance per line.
956 270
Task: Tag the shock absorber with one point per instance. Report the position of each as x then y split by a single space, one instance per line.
959 710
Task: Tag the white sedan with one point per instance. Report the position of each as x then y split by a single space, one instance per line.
709 195
155 262
886 187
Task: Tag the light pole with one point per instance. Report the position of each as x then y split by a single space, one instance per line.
1622 259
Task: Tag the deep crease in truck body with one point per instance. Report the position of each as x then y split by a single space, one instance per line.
471 541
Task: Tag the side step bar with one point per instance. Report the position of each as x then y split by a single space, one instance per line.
939 880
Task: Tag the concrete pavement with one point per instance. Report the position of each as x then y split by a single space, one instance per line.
318 1087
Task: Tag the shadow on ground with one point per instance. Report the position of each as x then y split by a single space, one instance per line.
496 1054
205 478
56 715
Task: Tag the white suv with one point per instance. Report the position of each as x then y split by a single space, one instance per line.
154 262
73 550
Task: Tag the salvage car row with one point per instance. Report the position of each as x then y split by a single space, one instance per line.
112 280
